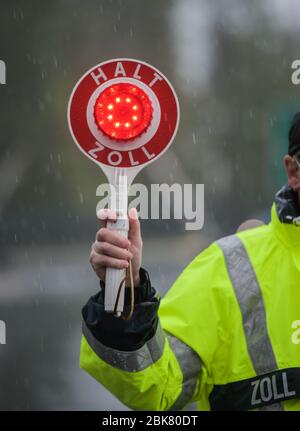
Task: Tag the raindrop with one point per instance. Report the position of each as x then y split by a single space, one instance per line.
194 138
55 61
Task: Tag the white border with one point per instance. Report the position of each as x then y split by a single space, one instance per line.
135 143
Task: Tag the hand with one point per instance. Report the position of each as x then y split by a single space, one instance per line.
113 250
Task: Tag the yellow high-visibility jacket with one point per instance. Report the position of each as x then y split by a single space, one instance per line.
228 336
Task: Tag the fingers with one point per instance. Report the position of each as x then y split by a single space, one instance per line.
112 250
112 237
134 225
102 261
105 215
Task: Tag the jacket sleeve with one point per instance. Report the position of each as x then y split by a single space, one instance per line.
144 366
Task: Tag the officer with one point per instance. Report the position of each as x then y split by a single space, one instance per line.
224 334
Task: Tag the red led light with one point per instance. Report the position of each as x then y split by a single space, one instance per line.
123 111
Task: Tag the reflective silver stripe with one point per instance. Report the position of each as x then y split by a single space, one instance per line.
131 361
249 296
190 366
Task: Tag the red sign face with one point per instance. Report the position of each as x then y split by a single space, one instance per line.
123 113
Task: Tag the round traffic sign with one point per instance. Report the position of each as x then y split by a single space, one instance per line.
123 113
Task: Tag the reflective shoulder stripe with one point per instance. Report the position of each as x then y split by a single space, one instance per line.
148 354
190 366
249 296
131 361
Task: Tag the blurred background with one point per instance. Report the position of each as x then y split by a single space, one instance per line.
230 64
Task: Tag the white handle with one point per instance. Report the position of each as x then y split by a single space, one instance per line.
114 276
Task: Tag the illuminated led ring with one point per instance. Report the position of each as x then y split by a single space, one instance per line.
119 120
137 142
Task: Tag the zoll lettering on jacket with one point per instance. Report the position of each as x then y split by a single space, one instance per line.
267 389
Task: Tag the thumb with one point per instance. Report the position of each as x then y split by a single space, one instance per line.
134 225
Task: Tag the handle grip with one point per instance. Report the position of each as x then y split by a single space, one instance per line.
114 276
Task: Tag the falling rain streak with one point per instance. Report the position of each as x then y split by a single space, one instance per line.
2 72
2 332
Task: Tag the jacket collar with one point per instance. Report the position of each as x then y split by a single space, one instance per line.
286 217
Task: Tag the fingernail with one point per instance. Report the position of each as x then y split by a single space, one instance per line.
133 213
112 214
101 214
